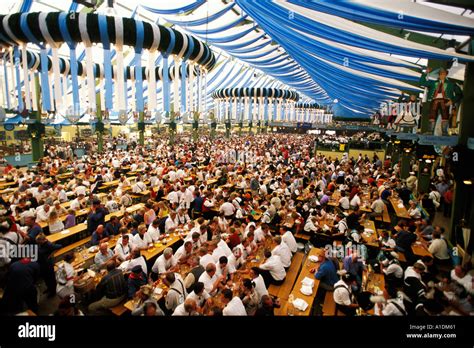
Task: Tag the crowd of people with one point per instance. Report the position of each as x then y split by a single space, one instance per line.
238 205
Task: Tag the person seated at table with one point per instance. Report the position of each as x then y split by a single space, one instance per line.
225 268
193 275
111 290
391 269
311 224
353 219
272 269
164 210
126 220
113 226
187 308
105 256
354 265
149 306
176 292
100 235
111 204
326 273
139 216
200 295
460 274
165 263
78 203
139 185
171 222
65 276
414 211
268 305
136 279
283 251
137 259
344 203
343 296
184 252
425 228
340 228
393 304
123 249
439 248
212 283
249 297
377 206
60 211
43 212
404 239
54 224
414 286
387 244
154 230
233 305
289 239
125 199
150 214
141 240
183 217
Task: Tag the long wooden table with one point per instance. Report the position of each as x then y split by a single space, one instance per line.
83 226
370 235
399 208
305 272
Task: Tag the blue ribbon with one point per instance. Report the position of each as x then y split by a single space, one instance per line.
138 67
45 96
184 74
104 37
5 74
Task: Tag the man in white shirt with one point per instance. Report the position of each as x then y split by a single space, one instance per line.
439 248
344 201
184 252
154 230
187 308
137 260
272 270
171 222
199 294
141 240
174 196
205 257
233 305
78 203
282 250
228 209
176 293
461 275
288 238
257 278
42 213
343 294
165 263
311 224
210 280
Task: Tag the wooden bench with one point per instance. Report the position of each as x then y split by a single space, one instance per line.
329 306
72 246
303 236
119 309
281 311
283 291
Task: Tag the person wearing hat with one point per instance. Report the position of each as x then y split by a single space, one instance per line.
136 280
343 296
443 94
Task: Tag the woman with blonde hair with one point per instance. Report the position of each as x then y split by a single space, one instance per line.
55 225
